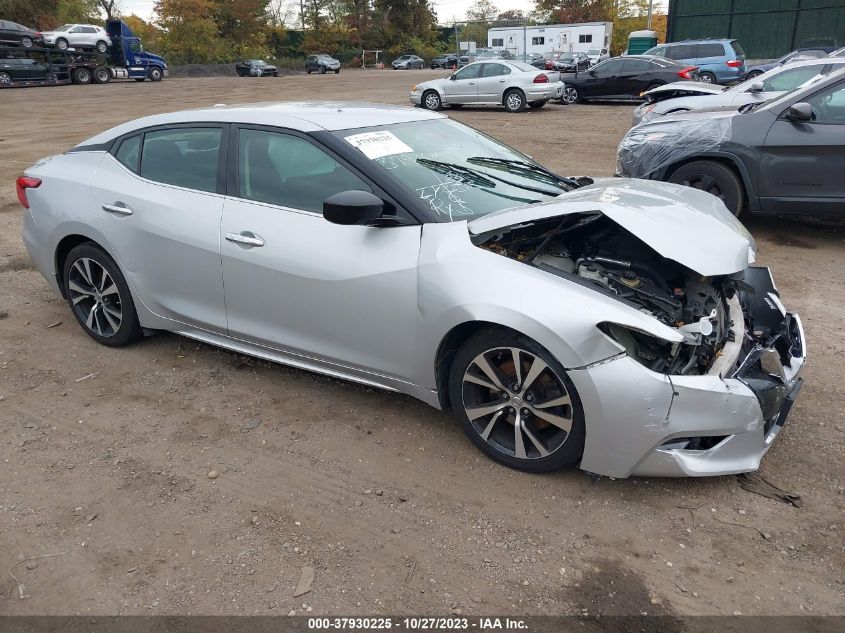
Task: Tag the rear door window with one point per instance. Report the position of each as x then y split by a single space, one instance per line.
186 157
129 152
636 66
682 51
710 50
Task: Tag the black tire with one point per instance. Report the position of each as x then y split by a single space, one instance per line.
431 100
128 329
337 72
139 78
26 41
154 73
536 105
5 79
713 177
81 76
514 100
102 75
708 78
307 71
571 95
61 44
564 449
322 70
753 74
101 47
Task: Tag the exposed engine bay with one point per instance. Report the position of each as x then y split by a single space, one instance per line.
591 249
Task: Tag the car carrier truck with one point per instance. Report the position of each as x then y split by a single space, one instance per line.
124 59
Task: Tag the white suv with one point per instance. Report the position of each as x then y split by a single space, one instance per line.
78 36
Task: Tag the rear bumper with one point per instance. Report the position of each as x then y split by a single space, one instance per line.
648 424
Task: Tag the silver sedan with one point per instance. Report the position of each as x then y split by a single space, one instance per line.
617 325
515 85
686 96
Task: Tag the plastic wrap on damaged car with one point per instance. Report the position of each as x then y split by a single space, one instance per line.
647 150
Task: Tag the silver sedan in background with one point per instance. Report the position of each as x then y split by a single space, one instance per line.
617 325
515 85
685 96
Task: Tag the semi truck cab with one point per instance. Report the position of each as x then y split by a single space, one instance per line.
128 58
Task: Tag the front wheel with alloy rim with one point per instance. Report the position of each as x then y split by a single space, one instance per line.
26 42
715 178
5 79
516 402
61 44
155 74
515 101
570 95
99 296
431 100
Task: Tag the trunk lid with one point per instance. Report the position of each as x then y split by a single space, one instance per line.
684 224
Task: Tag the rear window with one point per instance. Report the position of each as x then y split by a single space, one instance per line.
737 49
711 50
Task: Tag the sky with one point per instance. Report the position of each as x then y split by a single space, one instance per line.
447 10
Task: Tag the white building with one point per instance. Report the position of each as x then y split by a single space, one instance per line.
551 37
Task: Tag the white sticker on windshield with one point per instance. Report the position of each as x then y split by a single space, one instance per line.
378 144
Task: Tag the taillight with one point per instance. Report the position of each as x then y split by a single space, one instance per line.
541 79
734 63
686 73
22 184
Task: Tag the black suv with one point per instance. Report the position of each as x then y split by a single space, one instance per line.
322 63
255 68
17 34
779 156
448 61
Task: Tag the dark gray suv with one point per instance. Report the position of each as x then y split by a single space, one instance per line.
785 155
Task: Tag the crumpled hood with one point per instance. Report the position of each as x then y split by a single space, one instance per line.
684 224
688 86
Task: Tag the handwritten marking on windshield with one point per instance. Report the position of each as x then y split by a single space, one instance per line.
445 199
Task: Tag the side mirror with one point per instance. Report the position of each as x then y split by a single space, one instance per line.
757 86
592 72
452 77
799 112
352 207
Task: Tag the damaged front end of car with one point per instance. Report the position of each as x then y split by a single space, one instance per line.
717 386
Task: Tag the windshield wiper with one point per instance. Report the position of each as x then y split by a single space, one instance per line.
521 167
471 176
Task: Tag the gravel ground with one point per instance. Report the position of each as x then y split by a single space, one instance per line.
171 477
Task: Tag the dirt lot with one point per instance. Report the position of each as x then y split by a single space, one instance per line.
105 453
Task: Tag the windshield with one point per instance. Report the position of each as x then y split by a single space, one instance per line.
258 62
594 51
443 163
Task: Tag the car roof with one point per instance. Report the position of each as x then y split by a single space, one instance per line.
311 116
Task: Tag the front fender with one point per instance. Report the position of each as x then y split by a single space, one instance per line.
460 283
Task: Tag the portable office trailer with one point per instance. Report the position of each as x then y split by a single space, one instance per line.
550 37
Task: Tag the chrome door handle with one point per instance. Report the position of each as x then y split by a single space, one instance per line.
246 240
501 81
470 83
117 207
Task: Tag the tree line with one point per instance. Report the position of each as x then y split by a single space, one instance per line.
219 31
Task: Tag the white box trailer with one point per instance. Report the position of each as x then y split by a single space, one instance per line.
551 37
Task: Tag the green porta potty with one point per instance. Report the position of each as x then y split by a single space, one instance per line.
640 41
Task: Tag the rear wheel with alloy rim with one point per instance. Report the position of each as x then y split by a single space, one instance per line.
61 44
81 76
102 47
516 403
570 95
715 178
99 296
515 101
26 42
708 78
431 100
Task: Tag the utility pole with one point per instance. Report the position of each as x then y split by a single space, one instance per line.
650 7
302 14
525 38
457 43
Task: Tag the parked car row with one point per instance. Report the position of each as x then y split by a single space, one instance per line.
77 36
